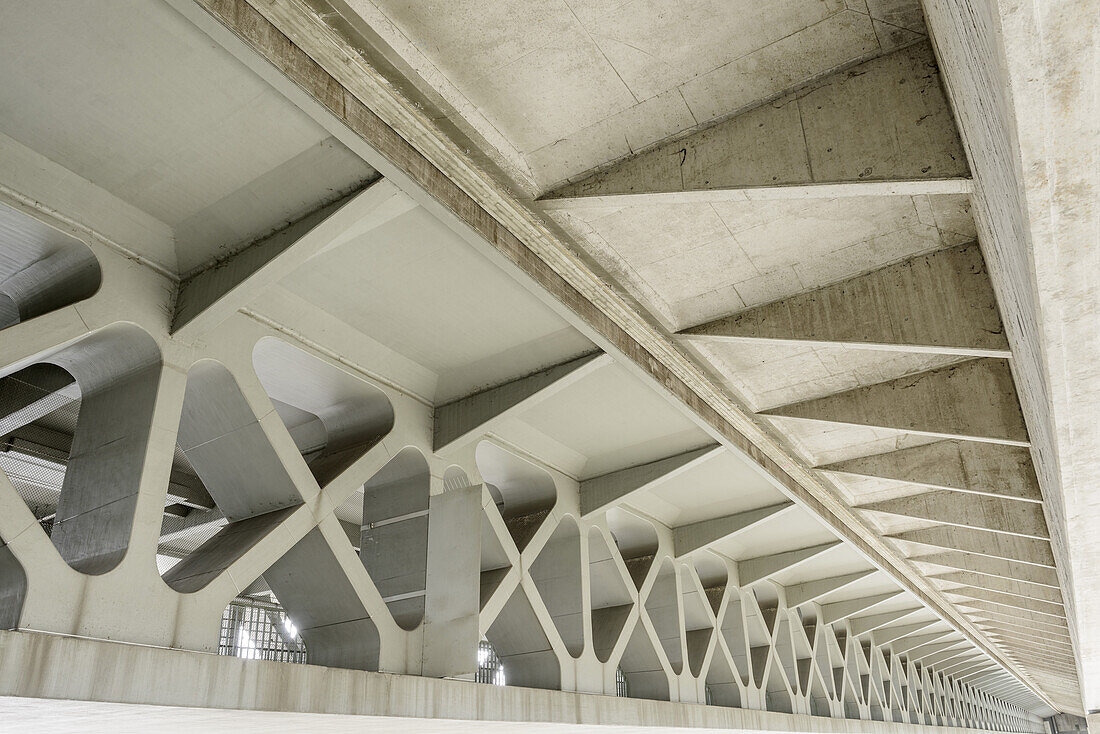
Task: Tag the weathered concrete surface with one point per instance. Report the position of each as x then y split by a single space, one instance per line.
1022 78
967 466
973 400
600 492
470 417
208 297
882 120
936 302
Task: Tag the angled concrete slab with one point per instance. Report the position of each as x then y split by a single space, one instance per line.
940 302
965 466
841 130
599 493
210 296
687 539
471 417
973 400
963 509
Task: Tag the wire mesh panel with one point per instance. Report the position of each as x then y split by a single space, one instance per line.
258 630
489 667
621 688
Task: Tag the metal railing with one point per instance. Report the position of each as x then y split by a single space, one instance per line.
257 630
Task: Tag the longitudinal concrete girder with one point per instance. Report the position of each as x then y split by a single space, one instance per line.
751 570
468 418
210 296
981 512
965 466
607 490
981 542
940 302
881 127
687 539
973 400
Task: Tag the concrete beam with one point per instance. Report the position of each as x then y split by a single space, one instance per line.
409 703
870 623
687 539
208 297
881 127
813 590
471 417
1001 585
963 509
1026 629
964 466
888 635
837 611
937 651
1008 600
954 652
607 490
984 607
752 570
1034 643
981 542
974 400
940 302
912 642
1000 617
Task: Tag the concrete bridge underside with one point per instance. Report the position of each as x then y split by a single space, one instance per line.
735 378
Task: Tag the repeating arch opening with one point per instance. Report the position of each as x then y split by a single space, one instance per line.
394 534
641 665
523 647
733 633
636 540
523 492
41 269
556 573
663 607
330 616
698 628
610 598
721 681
